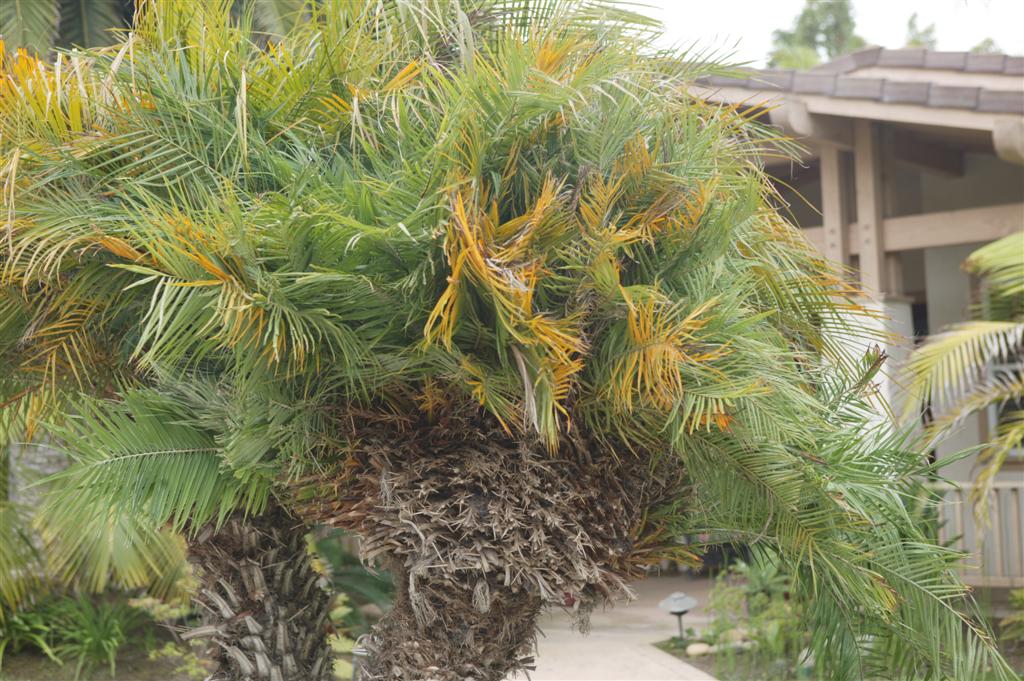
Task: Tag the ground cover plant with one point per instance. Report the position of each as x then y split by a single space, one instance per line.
80 634
481 281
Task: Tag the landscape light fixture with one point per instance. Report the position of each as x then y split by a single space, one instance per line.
678 604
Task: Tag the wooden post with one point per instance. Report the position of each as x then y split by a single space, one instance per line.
834 206
868 175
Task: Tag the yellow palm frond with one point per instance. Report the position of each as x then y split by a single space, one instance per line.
1001 263
660 340
1009 437
948 367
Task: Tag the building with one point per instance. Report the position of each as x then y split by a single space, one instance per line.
914 159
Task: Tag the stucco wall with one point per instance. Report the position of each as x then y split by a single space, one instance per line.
28 465
986 181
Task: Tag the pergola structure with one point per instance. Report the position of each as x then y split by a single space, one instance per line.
920 109
914 158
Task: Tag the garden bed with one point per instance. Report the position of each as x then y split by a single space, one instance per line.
131 666
734 665
739 665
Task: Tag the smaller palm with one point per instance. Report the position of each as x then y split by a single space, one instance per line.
978 364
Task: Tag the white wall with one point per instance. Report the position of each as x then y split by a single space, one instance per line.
987 181
949 298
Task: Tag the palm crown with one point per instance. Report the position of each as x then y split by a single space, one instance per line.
243 265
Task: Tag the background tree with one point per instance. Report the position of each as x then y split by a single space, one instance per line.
920 36
789 56
986 46
824 28
480 281
979 365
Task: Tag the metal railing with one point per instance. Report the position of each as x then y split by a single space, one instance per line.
995 550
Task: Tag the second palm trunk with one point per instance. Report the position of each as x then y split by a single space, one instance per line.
263 608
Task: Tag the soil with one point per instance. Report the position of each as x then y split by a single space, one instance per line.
131 666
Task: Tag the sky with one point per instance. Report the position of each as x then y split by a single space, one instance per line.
744 28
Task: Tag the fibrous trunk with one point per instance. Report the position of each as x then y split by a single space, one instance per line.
262 604
482 531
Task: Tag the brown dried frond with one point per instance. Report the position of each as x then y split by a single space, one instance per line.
484 530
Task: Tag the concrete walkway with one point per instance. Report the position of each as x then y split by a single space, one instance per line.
618 647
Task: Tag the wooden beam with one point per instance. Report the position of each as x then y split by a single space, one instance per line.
893 264
930 157
949 228
834 206
867 161
934 230
1008 140
795 120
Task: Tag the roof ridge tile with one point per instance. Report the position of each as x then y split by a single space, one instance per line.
945 60
814 83
859 88
905 92
907 57
920 57
986 63
885 90
953 96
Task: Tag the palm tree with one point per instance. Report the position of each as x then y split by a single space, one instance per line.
39 26
979 364
481 281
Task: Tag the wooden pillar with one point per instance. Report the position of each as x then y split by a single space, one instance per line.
867 159
834 206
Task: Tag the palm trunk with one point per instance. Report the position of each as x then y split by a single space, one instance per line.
262 605
468 635
481 533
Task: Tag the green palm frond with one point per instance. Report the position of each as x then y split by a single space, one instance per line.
998 390
20 562
278 17
869 573
977 365
145 456
28 24
94 548
89 23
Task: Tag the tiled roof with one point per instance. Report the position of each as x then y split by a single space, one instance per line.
833 79
920 58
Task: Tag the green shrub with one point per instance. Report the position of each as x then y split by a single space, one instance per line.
81 631
91 633
355 585
26 630
762 576
755 626
1012 626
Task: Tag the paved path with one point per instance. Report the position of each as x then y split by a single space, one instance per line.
618 647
